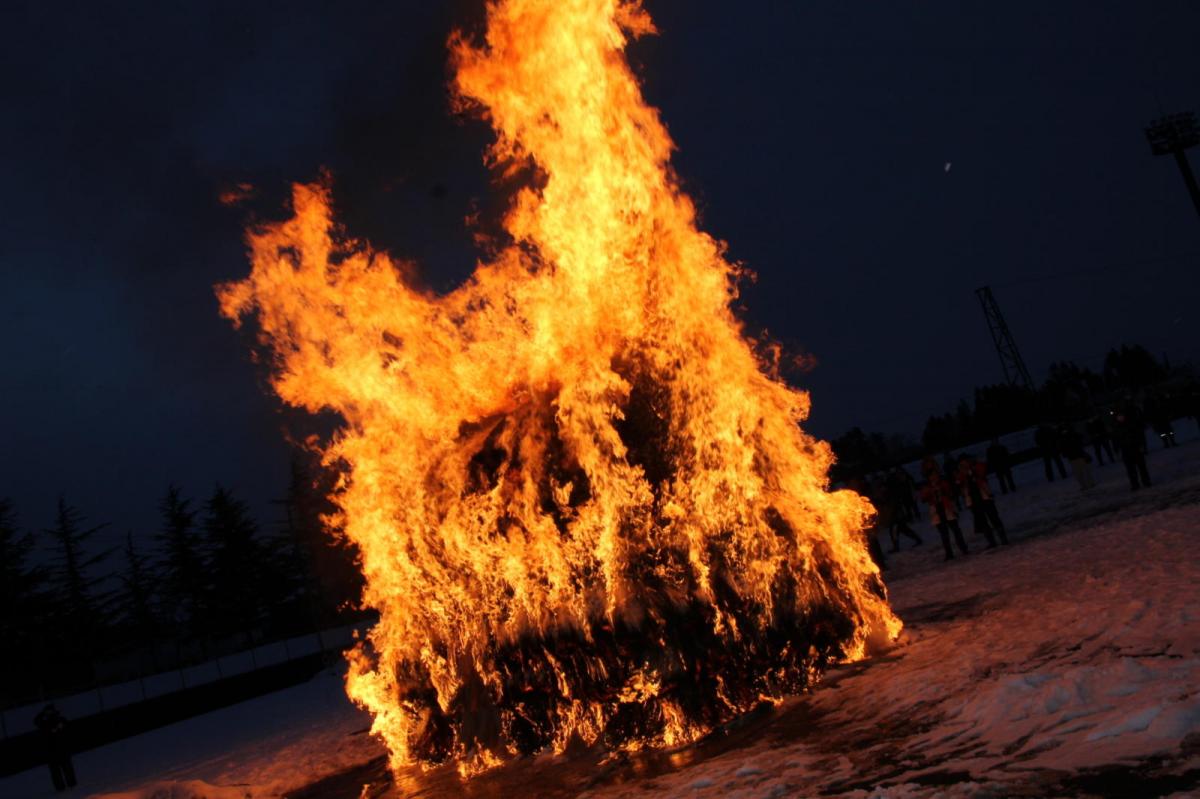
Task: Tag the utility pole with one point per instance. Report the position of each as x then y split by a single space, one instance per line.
1015 373
1172 135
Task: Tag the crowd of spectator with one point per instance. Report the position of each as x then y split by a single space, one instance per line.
961 484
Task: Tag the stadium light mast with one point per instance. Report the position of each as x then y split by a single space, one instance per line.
1015 372
1172 135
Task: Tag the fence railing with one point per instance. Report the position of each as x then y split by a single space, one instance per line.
20 720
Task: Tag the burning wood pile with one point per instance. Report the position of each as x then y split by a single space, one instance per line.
585 510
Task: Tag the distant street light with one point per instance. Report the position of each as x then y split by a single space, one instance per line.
1173 134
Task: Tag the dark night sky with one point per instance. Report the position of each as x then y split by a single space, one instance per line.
813 136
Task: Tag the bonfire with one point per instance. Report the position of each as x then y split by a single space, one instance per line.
585 509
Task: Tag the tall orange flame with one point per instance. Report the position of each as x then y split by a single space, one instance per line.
583 508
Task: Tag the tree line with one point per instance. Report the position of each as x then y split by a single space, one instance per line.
1070 393
210 580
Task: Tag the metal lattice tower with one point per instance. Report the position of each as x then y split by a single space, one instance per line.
1015 373
1172 135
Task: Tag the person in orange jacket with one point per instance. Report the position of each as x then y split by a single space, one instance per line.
938 494
971 477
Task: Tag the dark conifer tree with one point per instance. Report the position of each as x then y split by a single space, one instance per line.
135 599
285 582
332 575
74 567
238 564
1133 367
184 586
76 579
964 424
24 608
22 585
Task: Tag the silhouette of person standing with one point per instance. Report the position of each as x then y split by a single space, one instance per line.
1046 439
863 487
939 495
906 488
890 505
999 460
1131 438
1097 430
1081 462
971 477
949 464
53 726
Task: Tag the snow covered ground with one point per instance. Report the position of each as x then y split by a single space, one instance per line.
1066 664
261 748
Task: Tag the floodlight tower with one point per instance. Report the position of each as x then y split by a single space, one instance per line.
1173 134
1015 373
